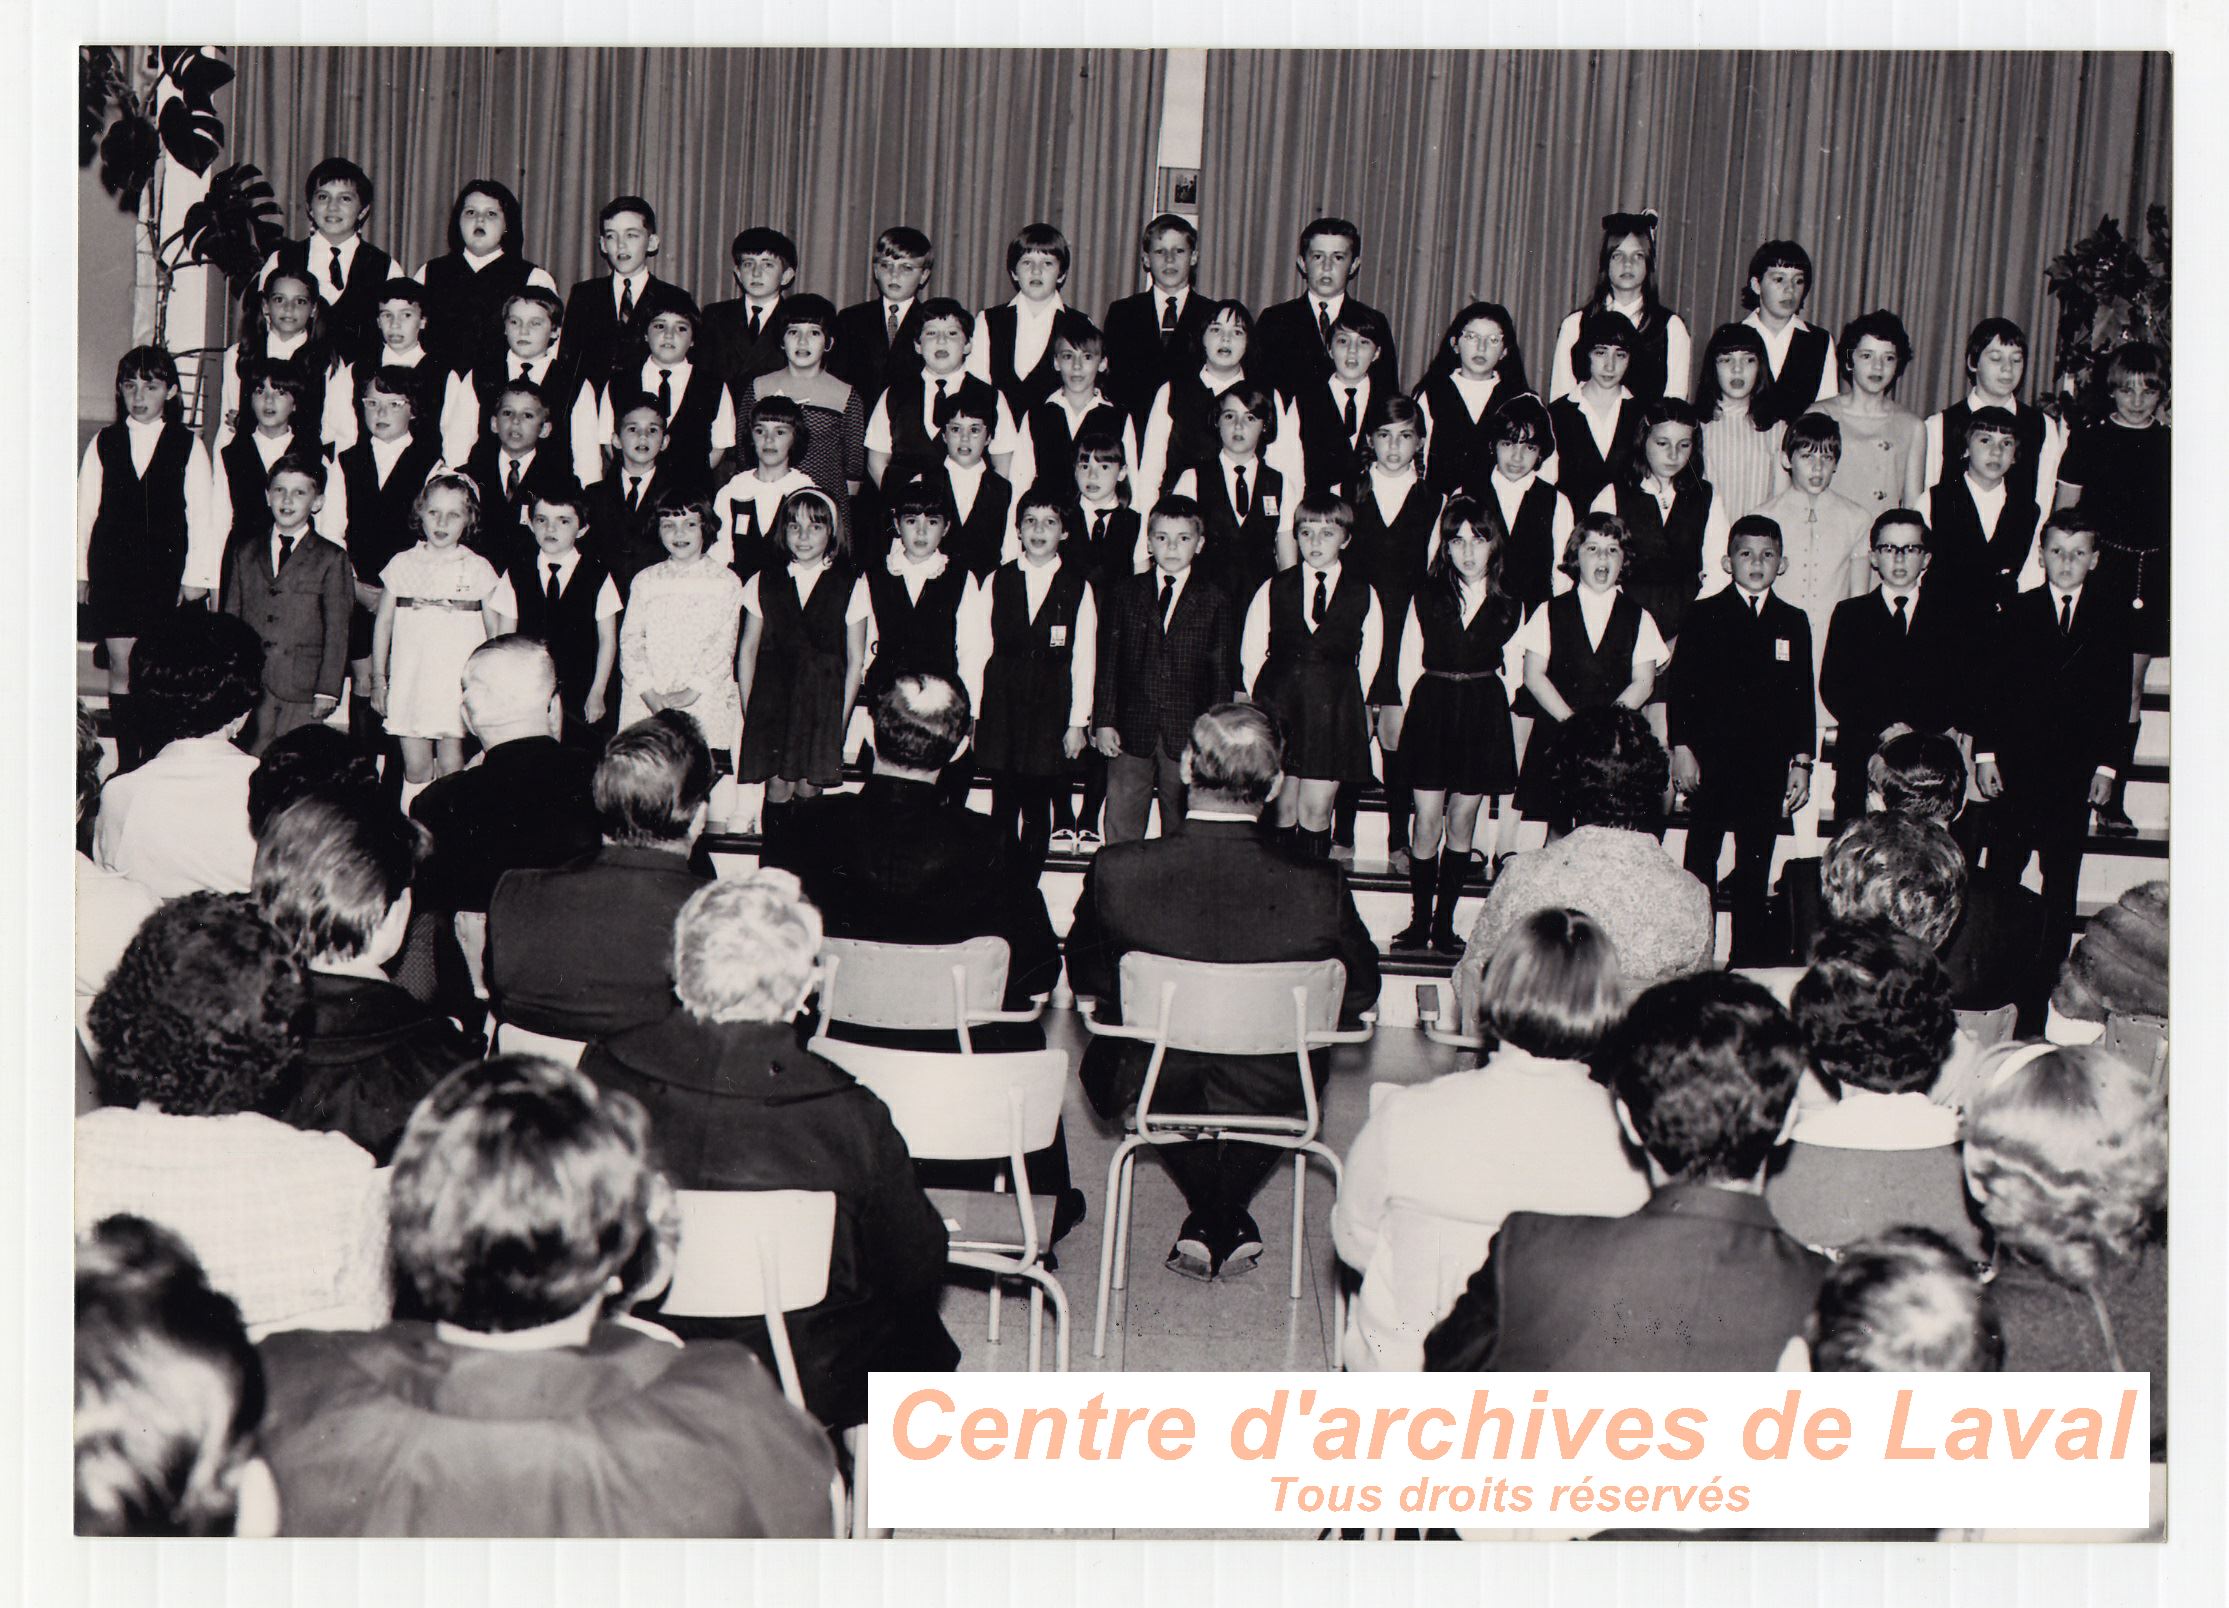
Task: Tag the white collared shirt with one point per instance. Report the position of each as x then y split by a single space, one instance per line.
504 599
1776 351
1535 638
1989 503
621 284
1254 638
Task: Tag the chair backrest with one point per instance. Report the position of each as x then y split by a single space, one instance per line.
514 1040
961 1107
2141 1041
747 1252
1216 1009
927 987
1987 1028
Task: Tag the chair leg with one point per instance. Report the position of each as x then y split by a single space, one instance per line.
856 1440
1110 1234
1300 1215
998 1286
1036 1324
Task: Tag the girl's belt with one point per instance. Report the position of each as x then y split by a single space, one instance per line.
1465 675
472 603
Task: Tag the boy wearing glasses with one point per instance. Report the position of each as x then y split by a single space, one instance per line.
1901 658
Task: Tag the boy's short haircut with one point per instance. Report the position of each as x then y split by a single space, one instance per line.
902 240
1775 254
519 1189
1994 329
929 495
639 402
1813 431
1553 988
1899 518
1074 326
1175 506
1257 399
651 779
169 1390
338 170
533 390
627 203
1037 237
1905 1301
809 307
1099 445
936 307
1523 417
1762 526
1992 421
399 289
1705 1067
1602 327
678 303
1321 506
1162 225
543 297
1921 774
329 868
760 240
1340 227
1364 321
973 399
678 502
306 464
282 374
1593 524
1054 492
1874 1009
2075 521
392 379
566 493
1907 871
1880 325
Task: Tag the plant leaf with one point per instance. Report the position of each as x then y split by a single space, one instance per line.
129 151
235 226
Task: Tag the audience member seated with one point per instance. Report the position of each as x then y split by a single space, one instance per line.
1704 1071
1612 864
2066 1155
1873 1151
521 1195
179 823
316 758
736 1104
1906 1301
333 876
110 905
1439 1165
2119 967
200 1033
1216 891
585 950
169 1394
1899 869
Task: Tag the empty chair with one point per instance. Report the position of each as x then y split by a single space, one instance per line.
939 988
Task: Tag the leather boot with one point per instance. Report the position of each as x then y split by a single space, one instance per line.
1423 878
1453 869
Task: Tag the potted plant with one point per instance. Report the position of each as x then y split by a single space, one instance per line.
2109 293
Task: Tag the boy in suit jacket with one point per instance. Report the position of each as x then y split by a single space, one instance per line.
742 337
1702 1278
877 340
295 589
1167 654
1148 335
511 468
606 315
1293 338
2055 735
1901 655
1743 725
1984 524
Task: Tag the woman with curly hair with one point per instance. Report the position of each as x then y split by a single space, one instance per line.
2066 1156
200 1029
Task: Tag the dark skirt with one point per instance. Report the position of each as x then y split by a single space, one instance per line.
794 727
1457 737
1539 796
1025 716
132 580
1327 729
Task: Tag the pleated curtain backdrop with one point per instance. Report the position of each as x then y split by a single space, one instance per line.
1938 185
831 146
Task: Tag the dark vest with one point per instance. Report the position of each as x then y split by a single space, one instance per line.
1337 640
1587 676
558 384
2028 426
816 627
352 318
1664 558
1452 646
913 451
1529 556
689 428
247 480
1392 555
1020 641
467 324
914 636
1239 556
1055 444
1001 327
143 514
569 630
1113 556
1582 470
1648 371
976 545
1981 571
1332 456
1794 391
1458 455
1192 437
379 516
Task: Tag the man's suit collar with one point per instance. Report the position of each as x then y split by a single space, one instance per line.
1708 1200
882 788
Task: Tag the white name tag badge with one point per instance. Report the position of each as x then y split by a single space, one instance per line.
1782 649
1269 505
1060 636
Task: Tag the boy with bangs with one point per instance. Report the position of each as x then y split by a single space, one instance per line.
878 340
743 334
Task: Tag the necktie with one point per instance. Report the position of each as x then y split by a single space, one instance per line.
626 302
1903 616
1099 528
1347 414
1168 319
757 322
1323 322
333 271
1241 504
1168 596
522 370
553 590
1757 605
2066 616
634 494
890 322
511 481
936 409
286 549
665 391
1322 605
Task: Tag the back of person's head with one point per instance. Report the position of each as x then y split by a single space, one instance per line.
1905 1301
2066 1152
653 777
203 1014
519 1190
921 721
1553 988
508 681
169 1391
1921 774
1907 871
1874 1008
1612 768
313 759
1706 1068
329 871
1236 755
195 673
88 766
746 949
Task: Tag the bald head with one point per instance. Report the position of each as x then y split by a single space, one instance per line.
510 691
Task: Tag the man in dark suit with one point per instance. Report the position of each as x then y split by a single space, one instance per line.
604 316
2056 733
1167 652
1702 1278
742 337
1152 335
1217 891
878 340
1293 339
1743 725
1901 655
586 950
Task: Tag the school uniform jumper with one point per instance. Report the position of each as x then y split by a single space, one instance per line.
1394 555
137 558
793 727
1310 679
379 524
1664 563
1028 693
1456 456
1588 677
1456 736
1582 467
466 329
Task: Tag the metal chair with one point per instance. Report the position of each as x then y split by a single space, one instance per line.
510 1039
2141 1041
945 988
1272 1008
980 1108
1988 1028
1436 1013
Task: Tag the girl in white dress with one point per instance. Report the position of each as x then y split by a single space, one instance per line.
432 614
677 645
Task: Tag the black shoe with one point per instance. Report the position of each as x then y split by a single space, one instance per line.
1243 1252
1415 937
1447 941
1192 1259
1068 1211
2113 821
